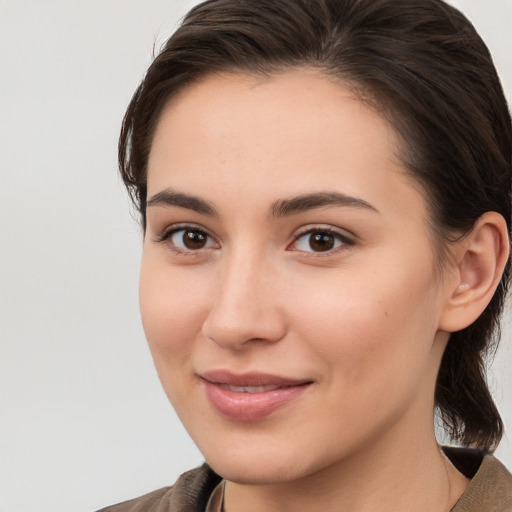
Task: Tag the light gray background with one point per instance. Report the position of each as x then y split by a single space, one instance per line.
84 422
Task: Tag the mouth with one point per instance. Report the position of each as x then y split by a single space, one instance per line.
252 396
248 389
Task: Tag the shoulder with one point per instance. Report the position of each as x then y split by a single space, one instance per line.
190 493
152 501
490 489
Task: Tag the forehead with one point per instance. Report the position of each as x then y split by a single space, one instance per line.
285 134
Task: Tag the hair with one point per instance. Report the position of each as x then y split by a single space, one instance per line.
424 67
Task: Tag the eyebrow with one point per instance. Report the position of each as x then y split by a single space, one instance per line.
285 207
170 197
281 208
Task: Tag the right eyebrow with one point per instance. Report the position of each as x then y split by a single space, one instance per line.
169 197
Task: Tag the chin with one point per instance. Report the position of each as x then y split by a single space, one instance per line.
264 464
255 473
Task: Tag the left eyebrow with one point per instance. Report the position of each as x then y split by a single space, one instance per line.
299 204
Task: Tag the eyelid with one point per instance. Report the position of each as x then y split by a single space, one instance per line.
166 234
347 239
168 231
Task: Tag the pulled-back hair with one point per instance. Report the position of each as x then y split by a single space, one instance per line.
424 67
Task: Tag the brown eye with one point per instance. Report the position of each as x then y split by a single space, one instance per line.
194 239
320 240
191 240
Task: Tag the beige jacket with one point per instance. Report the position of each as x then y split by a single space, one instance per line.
490 489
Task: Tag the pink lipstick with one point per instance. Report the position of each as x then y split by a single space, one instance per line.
250 396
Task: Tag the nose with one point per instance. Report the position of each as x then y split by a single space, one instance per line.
245 310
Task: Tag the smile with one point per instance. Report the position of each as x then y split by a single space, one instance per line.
248 389
250 397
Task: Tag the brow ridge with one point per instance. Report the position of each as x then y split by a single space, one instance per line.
170 197
295 205
281 208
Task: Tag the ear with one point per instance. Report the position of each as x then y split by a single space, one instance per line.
480 260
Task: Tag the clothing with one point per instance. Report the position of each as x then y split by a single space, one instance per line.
490 489
216 501
190 493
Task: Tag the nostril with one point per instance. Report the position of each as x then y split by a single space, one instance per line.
268 328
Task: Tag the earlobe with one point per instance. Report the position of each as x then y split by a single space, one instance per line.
482 257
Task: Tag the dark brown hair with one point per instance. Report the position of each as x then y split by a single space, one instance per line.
422 64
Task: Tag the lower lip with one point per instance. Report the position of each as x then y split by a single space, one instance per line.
250 406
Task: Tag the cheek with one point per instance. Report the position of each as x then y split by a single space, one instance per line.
171 315
375 357
373 331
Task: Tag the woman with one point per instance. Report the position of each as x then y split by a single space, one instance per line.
324 188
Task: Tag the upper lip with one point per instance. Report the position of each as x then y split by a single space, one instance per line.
250 379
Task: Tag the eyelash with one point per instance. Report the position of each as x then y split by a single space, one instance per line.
343 240
168 233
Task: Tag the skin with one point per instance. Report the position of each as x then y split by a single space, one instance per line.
364 322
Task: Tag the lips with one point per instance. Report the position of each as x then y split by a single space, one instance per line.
251 396
248 389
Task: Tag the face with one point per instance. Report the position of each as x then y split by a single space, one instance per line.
287 290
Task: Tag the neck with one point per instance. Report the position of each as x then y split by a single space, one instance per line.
370 480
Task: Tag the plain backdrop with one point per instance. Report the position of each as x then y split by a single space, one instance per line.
84 422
